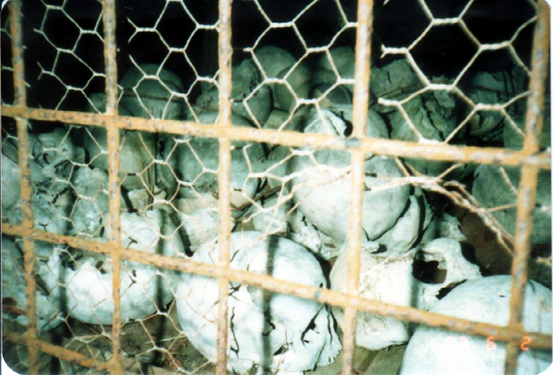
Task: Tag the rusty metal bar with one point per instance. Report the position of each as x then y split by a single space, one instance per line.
528 181
355 223
330 297
55 351
431 151
17 53
224 175
24 153
110 62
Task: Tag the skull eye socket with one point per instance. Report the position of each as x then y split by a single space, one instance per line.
428 272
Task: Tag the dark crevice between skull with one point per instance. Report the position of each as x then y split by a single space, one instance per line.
445 291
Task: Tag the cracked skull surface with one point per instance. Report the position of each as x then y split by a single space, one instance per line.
435 351
268 331
391 279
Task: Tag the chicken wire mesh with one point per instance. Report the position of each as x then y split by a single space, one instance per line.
124 272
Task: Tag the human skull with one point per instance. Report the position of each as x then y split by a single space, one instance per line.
496 186
87 277
433 114
327 74
54 156
11 193
199 219
149 91
250 99
300 80
274 60
90 212
436 351
493 88
322 182
270 331
196 161
306 234
343 58
14 297
390 279
51 166
136 152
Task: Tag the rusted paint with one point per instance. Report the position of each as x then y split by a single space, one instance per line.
55 351
355 217
110 55
322 295
529 158
110 61
225 119
528 180
224 252
20 94
24 153
355 226
431 151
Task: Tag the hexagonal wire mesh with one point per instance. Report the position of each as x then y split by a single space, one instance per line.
123 221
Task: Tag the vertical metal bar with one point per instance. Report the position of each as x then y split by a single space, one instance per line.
528 180
110 62
355 225
225 119
24 180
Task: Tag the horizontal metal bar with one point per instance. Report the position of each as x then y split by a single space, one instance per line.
330 297
432 151
55 351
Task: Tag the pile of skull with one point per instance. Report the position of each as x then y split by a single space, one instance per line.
169 186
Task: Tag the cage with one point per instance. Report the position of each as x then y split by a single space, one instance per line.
276 186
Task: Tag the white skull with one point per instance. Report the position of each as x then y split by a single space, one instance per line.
11 193
137 149
390 279
51 199
87 277
90 212
322 183
199 219
436 351
14 296
149 92
196 160
54 156
269 331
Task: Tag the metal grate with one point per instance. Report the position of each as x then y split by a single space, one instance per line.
529 159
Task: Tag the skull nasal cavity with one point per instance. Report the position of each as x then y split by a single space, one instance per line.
428 272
